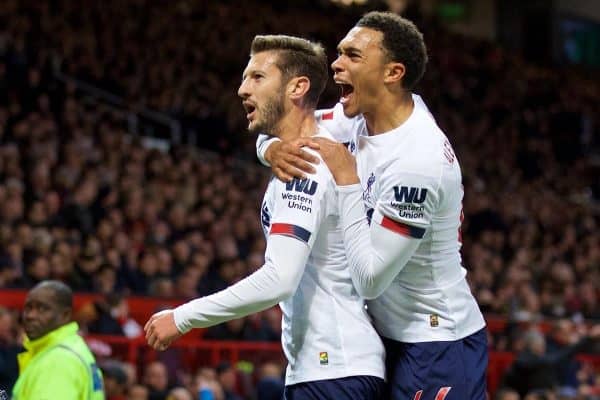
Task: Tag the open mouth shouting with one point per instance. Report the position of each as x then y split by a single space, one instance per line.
250 108
346 92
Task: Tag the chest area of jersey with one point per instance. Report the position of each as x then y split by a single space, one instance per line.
374 172
369 168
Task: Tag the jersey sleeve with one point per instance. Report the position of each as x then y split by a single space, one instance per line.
301 204
378 252
375 254
406 201
263 142
296 216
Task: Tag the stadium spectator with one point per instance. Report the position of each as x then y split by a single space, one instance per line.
179 393
9 348
52 341
115 381
157 380
507 394
227 377
138 392
270 384
535 369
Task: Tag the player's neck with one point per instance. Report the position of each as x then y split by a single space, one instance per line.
297 123
390 113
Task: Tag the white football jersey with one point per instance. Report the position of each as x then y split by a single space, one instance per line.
327 332
411 183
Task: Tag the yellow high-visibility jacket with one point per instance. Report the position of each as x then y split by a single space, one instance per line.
59 365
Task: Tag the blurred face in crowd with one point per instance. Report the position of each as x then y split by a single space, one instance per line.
359 70
262 92
138 392
42 313
156 376
6 326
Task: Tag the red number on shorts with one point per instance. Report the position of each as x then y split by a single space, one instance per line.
441 394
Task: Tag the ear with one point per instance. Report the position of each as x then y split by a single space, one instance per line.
394 72
66 315
298 87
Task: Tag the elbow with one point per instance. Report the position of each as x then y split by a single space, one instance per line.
284 293
370 292
368 284
286 288
369 288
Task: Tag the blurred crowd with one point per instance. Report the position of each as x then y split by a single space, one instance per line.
161 378
85 201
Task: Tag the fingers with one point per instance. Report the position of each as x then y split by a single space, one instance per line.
321 141
299 163
291 166
306 141
153 336
148 323
153 340
282 175
289 150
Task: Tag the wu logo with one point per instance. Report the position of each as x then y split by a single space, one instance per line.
305 186
405 194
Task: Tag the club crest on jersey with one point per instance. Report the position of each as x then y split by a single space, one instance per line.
323 358
305 186
405 194
367 191
351 146
265 217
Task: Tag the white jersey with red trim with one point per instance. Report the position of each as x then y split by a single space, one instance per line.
411 182
326 331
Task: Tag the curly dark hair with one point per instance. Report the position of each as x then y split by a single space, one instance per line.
402 42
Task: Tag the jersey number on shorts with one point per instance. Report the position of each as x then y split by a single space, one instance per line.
441 394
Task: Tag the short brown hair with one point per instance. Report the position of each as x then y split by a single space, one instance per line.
402 41
297 57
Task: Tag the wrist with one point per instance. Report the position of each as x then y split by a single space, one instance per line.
270 149
347 179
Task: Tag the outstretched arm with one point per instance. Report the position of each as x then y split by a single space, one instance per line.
277 280
291 237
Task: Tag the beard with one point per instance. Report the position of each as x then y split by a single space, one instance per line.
269 115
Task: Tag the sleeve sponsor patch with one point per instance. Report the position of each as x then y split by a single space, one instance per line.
290 230
403 229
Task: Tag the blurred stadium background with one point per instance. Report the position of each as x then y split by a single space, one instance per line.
125 171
